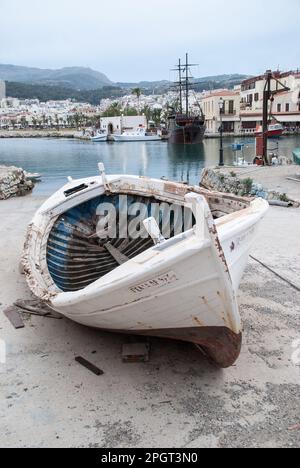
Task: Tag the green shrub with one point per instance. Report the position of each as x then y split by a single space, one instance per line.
284 198
247 183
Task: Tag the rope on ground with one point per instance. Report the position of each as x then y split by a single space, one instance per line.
276 274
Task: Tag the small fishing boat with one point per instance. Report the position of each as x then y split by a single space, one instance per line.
94 253
274 130
100 137
139 134
33 176
296 156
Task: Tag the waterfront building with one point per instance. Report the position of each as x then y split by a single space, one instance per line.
285 107
122 123
230 115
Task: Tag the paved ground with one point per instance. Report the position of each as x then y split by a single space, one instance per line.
175 400
274 178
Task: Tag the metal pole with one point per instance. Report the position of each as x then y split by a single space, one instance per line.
221 161
266 97
187 83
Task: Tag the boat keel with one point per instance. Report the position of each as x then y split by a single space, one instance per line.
219 344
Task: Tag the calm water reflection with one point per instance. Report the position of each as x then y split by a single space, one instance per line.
56 159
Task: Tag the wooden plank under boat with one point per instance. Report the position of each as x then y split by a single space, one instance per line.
182 286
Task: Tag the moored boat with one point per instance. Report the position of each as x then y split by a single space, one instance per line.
296 156
274 130
100 137
185 126
33 176
95 254
185 129
139 134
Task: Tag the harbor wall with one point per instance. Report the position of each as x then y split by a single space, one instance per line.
229 182
38 134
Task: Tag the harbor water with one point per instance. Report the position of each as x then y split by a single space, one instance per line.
55 159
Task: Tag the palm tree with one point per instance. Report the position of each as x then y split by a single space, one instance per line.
113 111
13 123
23 122
57 121
137 92
34 122
44 120
77 120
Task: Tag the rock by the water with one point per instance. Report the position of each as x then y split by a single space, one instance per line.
13 182
216 180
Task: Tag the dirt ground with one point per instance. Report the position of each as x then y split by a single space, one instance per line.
177 399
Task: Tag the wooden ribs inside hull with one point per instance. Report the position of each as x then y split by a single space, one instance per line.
77 257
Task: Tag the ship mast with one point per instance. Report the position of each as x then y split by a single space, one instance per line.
179 68
180 86
187 84
184 82
187 81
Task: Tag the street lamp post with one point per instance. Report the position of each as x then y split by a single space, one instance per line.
221 107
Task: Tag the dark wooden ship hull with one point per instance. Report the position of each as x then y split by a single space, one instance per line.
186 131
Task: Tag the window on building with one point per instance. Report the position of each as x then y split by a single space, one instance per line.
287 108
256 97
278 107
228 127
231 107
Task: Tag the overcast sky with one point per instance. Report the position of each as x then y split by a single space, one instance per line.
133 40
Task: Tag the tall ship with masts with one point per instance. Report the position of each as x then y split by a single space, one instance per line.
185 126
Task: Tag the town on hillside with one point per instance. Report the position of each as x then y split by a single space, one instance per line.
242 111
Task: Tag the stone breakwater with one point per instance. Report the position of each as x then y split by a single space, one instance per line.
230 182
13 182
36 134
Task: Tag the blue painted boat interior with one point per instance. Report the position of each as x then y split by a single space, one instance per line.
77 257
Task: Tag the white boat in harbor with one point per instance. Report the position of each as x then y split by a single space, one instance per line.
100 137
139 134
33 176
182 286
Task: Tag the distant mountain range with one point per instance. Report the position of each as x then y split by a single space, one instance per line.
81 78
78 78
85 84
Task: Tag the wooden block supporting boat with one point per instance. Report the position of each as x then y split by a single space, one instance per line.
179 286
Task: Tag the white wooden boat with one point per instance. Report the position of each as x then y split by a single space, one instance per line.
139 134
100 137
181 288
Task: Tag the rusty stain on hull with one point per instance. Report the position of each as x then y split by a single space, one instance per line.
220 344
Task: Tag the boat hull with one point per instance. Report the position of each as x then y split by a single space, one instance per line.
184 288
187 134
274 131
219 344
124 138
99 138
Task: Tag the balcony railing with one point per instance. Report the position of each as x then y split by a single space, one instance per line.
228 113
